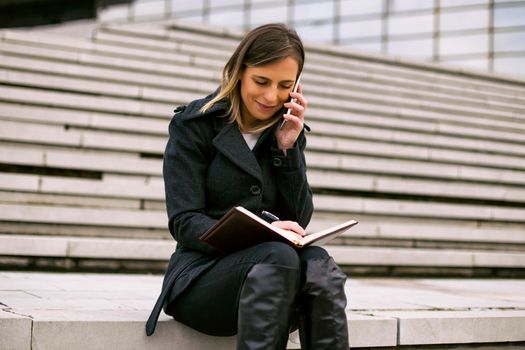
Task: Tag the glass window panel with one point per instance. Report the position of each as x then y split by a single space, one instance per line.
358 29
261 15
421 48
510 65
464 20
197 18
407 5
233 18
229 3
313 11
114 13
505 1
185 5
365 47
149 8
361 7
319 33
463 44
480 64
452 3
273 2
506 17
509 41
410 25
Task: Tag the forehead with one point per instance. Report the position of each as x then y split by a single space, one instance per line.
285 69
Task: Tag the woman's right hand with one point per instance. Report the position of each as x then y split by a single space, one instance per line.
290 226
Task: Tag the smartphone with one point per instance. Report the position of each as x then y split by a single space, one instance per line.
292 100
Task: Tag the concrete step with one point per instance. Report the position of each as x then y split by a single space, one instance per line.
424 72
347 256
115 70
412 152
509 156
159 103
430 160
106 71
90 102
152 188
337 91
114 64
146 92
120 34
411 137
345 57
373 231
64 311
91 160
86 51
352 206
104 162
419 232
358 125
83 119
380 165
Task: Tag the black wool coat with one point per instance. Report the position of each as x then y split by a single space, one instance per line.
208 169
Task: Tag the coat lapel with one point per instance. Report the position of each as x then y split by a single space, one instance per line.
230 142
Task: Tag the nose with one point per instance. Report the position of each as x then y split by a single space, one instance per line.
270 95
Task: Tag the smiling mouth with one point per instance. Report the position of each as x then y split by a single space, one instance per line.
264 107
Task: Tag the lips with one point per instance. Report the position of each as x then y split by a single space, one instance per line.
264 108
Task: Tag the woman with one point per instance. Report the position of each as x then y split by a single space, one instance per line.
230 149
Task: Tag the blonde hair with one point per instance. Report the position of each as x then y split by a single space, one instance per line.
263 45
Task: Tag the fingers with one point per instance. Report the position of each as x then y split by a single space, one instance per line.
291 226
299 96
297 108
298 103
294 121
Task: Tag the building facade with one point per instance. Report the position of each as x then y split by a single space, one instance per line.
480 34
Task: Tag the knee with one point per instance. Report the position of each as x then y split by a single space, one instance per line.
312 253
320 271
278 253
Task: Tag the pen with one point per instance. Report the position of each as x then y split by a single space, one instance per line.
269 216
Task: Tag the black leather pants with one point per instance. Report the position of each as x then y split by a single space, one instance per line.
266 307
272 296
322 303
274 285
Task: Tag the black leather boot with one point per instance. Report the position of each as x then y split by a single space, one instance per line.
266 305
322 321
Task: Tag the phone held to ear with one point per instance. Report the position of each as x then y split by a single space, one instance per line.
292 100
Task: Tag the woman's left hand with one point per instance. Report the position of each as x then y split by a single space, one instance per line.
291 130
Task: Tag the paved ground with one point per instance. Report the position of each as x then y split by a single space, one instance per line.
382 311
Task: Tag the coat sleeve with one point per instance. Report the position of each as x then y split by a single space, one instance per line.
184 171
294 191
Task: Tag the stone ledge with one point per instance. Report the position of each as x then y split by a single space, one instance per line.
108 311
453 327
66 330
15 330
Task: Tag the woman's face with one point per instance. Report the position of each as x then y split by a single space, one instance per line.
264 89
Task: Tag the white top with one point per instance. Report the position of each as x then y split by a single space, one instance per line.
251 139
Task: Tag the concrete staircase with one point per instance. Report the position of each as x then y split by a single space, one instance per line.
429 160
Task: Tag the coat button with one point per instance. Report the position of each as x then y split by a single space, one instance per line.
277 161
255 190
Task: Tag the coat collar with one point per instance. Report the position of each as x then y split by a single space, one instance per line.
230 142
